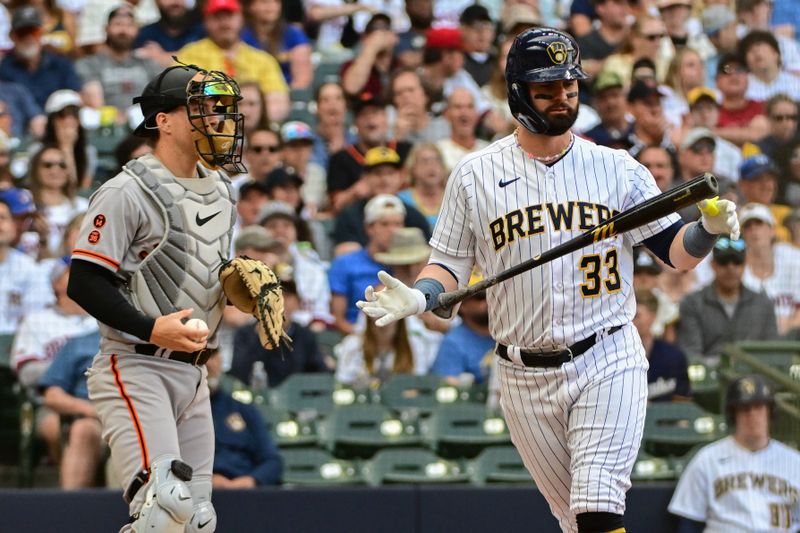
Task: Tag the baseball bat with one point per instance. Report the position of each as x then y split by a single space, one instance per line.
699 188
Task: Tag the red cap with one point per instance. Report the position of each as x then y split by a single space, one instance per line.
444 38
215 6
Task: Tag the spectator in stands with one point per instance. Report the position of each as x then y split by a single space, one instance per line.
381 176
309 271
332 134
297 140
54 192
607 36
755 15
772 268
609 101
741 120
351 273
345 167
268 30
427 177
719 25
676 15
668 375
724 311
40 71
758 183
747 481
58 26
661 163
253 195
245 456
262 153
177 27
463 117
302 356
410 43
23 289
64 392
789 186
373 64
704 113
413 120
477 37
31 229
792 222
20 113
645 40
767 78
331 16
650 126
696 156
64 129
783 113
499 121
224 50
283 185
131 147
684 74
467 348
114 75
253 106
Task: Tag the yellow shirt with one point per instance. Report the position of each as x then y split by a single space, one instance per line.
244 64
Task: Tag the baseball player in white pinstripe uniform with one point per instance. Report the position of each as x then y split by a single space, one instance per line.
572 370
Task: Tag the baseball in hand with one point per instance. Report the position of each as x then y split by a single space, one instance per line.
196 323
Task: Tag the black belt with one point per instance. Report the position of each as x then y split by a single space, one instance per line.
555 359
193 358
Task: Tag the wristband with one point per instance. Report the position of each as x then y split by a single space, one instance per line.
430 289
697 241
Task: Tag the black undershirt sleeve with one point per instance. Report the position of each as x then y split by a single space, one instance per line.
97 290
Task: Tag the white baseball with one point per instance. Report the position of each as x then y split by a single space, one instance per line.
196 323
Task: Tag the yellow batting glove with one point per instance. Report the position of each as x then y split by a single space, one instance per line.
709 207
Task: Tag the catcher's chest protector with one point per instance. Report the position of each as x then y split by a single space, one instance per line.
181 272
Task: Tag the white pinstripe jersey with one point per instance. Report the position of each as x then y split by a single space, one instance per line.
502 208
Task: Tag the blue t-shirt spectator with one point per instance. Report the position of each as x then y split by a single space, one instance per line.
20 104
53 73
68 370
350 275
243 446
156 33
668 375
292 37
464 351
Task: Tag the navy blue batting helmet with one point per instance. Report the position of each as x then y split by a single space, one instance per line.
539 55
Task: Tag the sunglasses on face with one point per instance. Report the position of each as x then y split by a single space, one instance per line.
783 118
724 243
271 148
702 148
51 164
653 37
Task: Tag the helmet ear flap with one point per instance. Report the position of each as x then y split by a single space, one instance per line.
519 100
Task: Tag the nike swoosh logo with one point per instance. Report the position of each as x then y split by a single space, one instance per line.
202 221
509 182
204 524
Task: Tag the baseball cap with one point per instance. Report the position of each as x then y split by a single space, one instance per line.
252 186
61 99
409 41
607 79
19 200
755 166
365 100
664 4
408 247
383 205
294 131
282 177
164 93
642 90
726 249
643 262
215 6
519 15
755 211
381 155
696 135
699 93
379 21
122 10
25 17
257 238
727 60
276 209
716 17
443 38
474 13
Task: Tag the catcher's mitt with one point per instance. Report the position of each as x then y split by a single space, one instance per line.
253 288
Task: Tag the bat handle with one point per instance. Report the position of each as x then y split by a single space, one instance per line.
449 299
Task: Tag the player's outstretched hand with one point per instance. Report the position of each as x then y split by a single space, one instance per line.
170 332
719 217
395 302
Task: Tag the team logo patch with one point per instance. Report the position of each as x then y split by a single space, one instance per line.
142 254
235 422
99 221
94 237
748 387
558 53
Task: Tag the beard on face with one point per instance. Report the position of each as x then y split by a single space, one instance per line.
120 43
562 122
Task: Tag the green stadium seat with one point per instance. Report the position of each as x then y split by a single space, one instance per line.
327 339
650 468
410 465
6 343
704 380
417 394
674 428
289 431
463 430
327 72
309 394
783 356
498 464
362 430
312 466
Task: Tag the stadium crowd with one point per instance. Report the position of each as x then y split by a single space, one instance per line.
355 113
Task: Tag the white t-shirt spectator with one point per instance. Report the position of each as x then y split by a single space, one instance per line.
785 83
24 288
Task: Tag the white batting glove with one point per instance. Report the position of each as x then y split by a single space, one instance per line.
393 303
719 217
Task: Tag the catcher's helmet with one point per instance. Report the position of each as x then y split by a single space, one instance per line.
539 55
747 390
